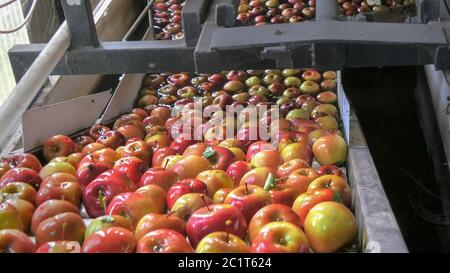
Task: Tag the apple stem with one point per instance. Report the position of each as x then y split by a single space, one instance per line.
63 233
170 213
246 188
165 163
206 204
227 225
102 199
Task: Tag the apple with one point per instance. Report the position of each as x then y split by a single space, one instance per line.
330 150
25 160
181 142
90 148
306 201
271 213
57 167
21 174
187 204
310 88
215 180
220 158
156 194
132 166
329 75
60 247
25 209
332 169
15 241
86 173
59 189
257 176
327 97
160 154
212 218
163 241
49 209
10 217
133 206
222 242
18 190
279 192
328 85
97 130
105 221
297 151
220 195
335 183
58 145
64 226
159 176
191 166
182 187
248 199
139 149
267 158
237 170
110 240
330 226
158 141
311 75
155 221
234 86
99 193
297 113
301 179
280 237
288 167
257 147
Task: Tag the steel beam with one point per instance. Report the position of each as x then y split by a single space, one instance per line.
113 58
193 15
80 20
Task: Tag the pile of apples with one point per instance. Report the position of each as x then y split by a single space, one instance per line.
167 20
353 7
261 12
144 184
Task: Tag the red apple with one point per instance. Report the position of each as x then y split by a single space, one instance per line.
183 187
131 205
212 218
335 183
139 149
191 166
267 158
103 189
280 237
160 154
331 169
110 240
181 142
58 145
237 170
156 194
64 226
49 209
132 166
154 221
271 213
159 176
301 179
306 201
215 180
187 204
330 150
163 241
292 165
15 241
248 199
21 174
257 147
258 176
63 189
21 160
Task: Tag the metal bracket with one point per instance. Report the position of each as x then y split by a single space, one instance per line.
80 20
